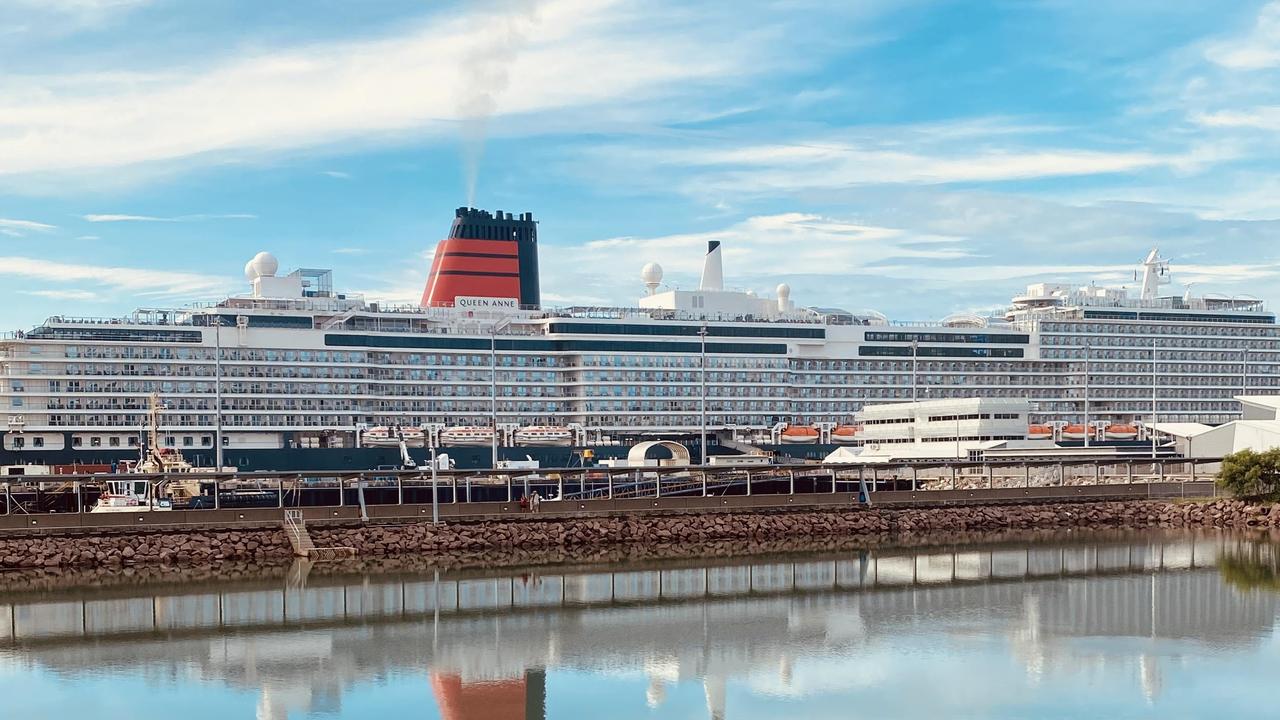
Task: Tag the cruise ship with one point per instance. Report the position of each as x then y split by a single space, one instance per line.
295 375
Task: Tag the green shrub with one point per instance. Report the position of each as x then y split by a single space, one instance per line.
1253 475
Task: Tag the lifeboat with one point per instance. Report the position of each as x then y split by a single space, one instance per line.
467 435
1074 431
800 434
1121 432
1039 432
845 434
544 435
383 436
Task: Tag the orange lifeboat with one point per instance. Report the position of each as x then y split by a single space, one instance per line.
800 434
1074 431
1121 432
845 434
1039 432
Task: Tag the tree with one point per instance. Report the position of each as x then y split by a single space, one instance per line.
1250 474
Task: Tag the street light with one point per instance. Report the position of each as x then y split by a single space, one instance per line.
1087 428
915 345
498 326
1154 396
702 335
217 392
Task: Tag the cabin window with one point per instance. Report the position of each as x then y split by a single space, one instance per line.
19 442
95 442
206 441
37 442
77 441
113 442
170 441
188 441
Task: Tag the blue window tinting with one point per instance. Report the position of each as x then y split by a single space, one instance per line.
608 346
936 337
959 352
744 331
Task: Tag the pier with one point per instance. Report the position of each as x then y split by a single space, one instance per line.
231 499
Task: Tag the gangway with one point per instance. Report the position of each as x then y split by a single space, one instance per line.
295 527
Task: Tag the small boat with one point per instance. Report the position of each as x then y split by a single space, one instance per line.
1075 431
129 495
800 434
544 435
845 434
1039 432
383 436
467 435
1121 432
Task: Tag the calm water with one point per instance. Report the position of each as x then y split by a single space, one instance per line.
1148 626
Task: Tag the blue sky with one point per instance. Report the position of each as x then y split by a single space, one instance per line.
911 156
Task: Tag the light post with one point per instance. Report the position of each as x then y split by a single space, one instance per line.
915 346
702 335
1154 396
494 329
1088 430
1244 374
217 393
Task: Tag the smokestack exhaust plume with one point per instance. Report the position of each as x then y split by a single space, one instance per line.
712 268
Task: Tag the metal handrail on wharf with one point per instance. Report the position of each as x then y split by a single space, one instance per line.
61 494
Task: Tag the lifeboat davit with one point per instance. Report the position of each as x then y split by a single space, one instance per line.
1039 432
467 435
1121 432
544 435
845 434
383 436
1074 431
800 434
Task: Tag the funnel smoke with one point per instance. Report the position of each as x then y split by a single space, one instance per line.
486 73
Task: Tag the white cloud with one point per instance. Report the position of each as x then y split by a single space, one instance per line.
88 237
800 166
349 251
111 218
140 281
1262 118
82 295
19 228
337 174
579 52
1254 50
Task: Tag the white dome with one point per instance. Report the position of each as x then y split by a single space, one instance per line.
783 290
264 264
651 273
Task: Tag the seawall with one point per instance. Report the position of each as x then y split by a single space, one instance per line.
531 533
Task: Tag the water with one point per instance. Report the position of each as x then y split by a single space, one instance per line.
1101 627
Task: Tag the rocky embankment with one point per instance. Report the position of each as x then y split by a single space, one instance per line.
532 533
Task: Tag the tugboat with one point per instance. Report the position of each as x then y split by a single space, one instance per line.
138 494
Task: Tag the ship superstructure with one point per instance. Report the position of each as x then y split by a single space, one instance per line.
299 366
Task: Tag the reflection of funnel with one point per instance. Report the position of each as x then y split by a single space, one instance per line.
523 699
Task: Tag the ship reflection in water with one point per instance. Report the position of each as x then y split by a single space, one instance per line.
1141 626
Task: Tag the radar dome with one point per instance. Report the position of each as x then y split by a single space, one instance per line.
783 290
264 264
651 273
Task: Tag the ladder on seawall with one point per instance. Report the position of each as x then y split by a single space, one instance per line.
303 546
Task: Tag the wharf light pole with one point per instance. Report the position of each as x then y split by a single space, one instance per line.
915 347
1088 430
1154 396
494 329
702 335
1244 374
217 392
